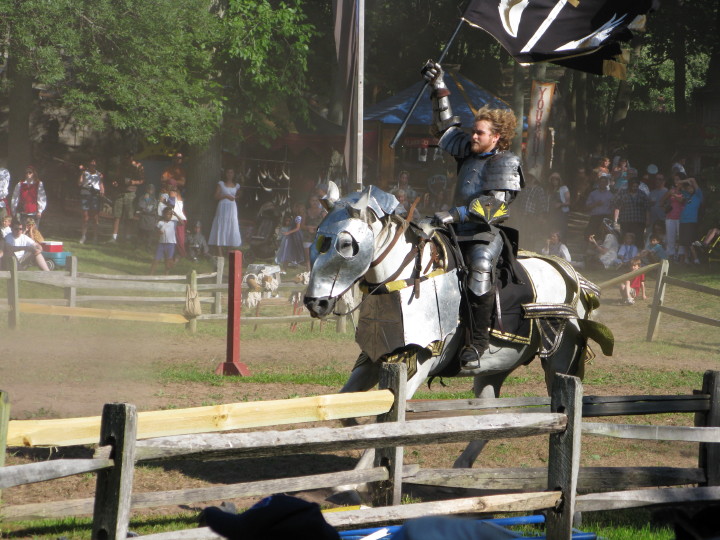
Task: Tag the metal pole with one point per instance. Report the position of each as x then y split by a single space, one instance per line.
359 108
404 124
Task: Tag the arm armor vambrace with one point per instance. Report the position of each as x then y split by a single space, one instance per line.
442 115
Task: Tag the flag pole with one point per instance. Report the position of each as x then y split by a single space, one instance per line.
404 124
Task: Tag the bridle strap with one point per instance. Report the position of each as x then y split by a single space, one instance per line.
398 233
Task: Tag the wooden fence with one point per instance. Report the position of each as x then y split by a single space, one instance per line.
71 281
659 307
559 490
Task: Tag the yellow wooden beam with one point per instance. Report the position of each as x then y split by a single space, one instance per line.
96 313
71 431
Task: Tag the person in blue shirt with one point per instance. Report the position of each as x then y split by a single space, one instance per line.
689 218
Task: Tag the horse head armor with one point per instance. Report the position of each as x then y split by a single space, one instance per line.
344 243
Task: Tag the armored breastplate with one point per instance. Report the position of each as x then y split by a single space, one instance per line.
478 175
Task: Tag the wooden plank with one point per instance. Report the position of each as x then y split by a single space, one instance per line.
627 276
59 280
113 489
230 416
653 433
592 405
273 443
129 277
709 456
283 319
471 404
17 475
389 492
704 289
590 479
79 507
140 299
689 316
97 313
615 500
657 302
519 502
71 264
564 456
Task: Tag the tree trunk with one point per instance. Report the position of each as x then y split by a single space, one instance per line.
679 55
580 84
20 103
622 99
203 173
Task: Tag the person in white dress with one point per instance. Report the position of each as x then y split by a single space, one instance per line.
225 231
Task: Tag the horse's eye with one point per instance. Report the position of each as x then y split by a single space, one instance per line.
346 245
323 243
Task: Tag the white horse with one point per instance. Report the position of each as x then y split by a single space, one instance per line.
361 240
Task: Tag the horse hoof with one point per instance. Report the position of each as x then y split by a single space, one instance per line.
348 497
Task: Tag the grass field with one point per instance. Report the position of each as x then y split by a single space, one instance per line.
118 360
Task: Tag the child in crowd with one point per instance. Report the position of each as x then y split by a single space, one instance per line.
654 252
5 229
166 247
554 246
197 244
32 231
627 251
291 251
632 289
148 210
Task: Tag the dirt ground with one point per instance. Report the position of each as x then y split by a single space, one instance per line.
54 368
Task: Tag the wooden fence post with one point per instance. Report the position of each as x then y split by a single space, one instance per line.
71 292
113 490
657 302
219 268
13 294
389 492
4 419
232 364
709 458
192 282
564 458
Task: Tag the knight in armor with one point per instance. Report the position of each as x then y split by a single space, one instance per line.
488 179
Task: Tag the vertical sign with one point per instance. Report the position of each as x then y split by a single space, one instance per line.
538 120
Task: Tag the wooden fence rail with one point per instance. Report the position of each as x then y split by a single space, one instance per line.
72 280
560 490
658 306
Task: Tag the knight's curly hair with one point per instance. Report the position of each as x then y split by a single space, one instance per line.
503 122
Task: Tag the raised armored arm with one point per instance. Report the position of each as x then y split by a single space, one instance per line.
443 118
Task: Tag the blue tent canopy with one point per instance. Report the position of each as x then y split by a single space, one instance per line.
465 96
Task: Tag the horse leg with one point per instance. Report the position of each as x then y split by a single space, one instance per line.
364 377
488 387
566 359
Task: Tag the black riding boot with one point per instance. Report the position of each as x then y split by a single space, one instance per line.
482 309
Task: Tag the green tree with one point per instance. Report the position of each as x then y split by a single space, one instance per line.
127 65
260 63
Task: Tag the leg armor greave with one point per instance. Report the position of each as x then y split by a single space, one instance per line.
482 258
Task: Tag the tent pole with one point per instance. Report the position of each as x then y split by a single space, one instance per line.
404 124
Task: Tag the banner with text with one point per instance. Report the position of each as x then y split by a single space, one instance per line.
536 151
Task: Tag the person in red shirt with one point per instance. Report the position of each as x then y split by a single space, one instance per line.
29 199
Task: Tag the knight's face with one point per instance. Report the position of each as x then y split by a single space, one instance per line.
340 255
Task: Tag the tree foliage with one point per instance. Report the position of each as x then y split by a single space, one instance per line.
127 64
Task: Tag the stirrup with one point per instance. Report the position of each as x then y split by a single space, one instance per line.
470 363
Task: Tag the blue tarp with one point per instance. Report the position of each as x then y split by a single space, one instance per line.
463 93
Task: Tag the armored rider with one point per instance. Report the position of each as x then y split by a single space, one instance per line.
488 179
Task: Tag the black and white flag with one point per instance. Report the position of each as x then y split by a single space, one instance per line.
580 34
